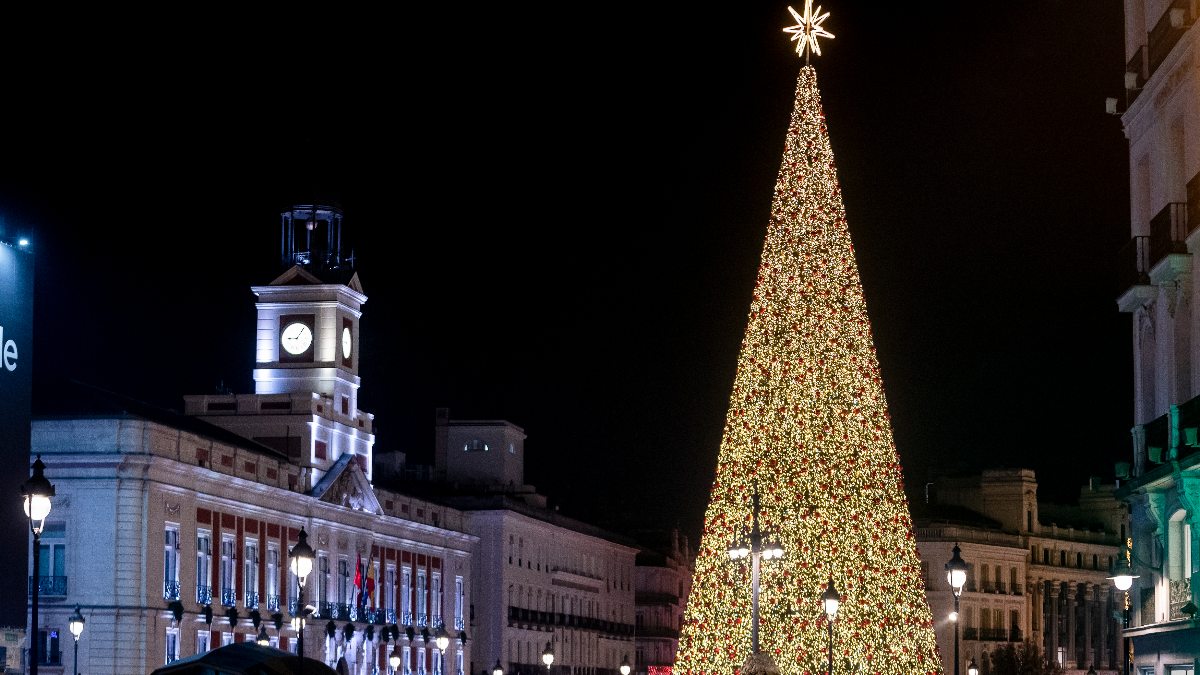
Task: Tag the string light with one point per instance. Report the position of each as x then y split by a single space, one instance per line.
808 427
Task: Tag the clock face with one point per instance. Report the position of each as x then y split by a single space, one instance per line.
296 338
347 342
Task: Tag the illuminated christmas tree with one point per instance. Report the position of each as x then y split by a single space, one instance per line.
808 431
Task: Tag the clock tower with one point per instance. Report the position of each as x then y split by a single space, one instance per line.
306 381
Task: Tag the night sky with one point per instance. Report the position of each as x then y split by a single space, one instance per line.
558 213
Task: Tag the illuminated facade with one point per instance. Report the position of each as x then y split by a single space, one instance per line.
662 582
1161 120
172 532
1037 572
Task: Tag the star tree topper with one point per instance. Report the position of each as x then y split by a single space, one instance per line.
807 29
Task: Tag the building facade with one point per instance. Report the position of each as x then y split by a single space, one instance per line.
1036 572
1161 120
172 532
662 583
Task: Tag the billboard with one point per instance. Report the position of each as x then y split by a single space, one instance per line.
16 389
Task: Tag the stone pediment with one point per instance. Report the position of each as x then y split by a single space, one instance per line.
297 275
346 485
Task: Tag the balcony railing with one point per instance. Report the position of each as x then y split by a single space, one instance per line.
273 603
49 658
49 586
459 623
1171 26
406 618
251 599
1168 230
1133 264
203 594
422 620
171 590
228 597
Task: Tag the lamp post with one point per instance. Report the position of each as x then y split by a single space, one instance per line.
956 574
548 656
36 491
442 641
394 657
302 560
263 639
75 623
973 669
1122 578
625 668
497 669
832 600
756 551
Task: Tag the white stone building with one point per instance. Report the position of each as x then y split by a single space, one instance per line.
662 584
172 532
1160 117
1035 573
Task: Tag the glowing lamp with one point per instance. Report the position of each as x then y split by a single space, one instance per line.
956 571
302 558
831 599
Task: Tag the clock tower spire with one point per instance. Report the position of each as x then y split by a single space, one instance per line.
306 380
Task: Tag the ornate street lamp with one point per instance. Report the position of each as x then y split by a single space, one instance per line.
36 491
75 623
625 668
263 638
972 669
394 659
302 561
442 640
1122 578
956 574
756 550
548 656
497 669
832 600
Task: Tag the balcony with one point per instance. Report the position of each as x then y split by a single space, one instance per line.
272 603
1133 274
48 586
1168 252
251 599
203 594
228 597
51 658
406 618
1170 27
171 590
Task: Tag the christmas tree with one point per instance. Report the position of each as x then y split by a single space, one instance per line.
807 452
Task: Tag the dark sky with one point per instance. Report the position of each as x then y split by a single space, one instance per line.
558 214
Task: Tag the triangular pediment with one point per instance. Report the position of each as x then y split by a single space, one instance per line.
296 275
346 485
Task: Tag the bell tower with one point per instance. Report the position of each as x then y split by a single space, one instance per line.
305 400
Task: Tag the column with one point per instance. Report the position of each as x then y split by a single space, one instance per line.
1052 621
1072 620
1089 607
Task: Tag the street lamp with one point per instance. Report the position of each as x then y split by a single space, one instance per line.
497 669
1122 578
75 623
973 669
263 639
1091 670
832 600
394 659
756 551
956 574
625 665
442 641
548 656
36 491
302 561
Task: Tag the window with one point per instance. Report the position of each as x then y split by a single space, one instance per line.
389 593
272 578
52 565
203 567
343 581
422 616
435 602
406 660
420 661
458 661
459 600
406 596
475 445
1180 670
322 580
1062 558
171 562
1045 556
226 639
250 572
1179 547
172 644
437 662
1079 560
228 593
202 641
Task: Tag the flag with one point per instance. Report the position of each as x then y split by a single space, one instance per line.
371 582
358 580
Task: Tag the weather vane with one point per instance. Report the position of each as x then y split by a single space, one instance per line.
807 29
